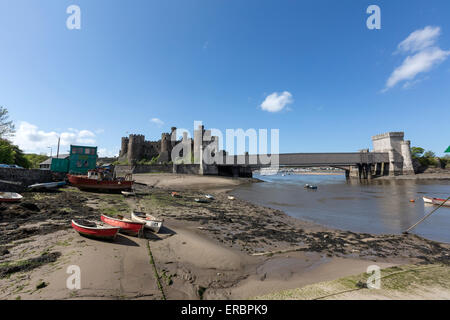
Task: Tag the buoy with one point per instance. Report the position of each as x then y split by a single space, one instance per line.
412 200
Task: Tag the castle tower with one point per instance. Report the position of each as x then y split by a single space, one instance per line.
408 167
124 147
135 148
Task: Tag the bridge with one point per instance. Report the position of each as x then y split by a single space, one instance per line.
391 156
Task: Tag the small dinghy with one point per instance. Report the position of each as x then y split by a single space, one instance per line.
126 226
201 200
175 195
10 197
231 198
309 186
150 221
47 185
209 196
436 201
95 230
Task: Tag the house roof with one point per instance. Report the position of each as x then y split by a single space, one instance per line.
49 160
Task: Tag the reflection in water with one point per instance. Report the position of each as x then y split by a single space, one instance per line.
378 206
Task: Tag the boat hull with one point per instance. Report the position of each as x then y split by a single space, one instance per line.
436 201
84 183
150 222
108 234
126 226
10 197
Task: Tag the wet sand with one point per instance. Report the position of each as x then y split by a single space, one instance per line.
225 249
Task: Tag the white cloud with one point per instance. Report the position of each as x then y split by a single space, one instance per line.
105 153
276 102
420 39
424 55
157 121
30 139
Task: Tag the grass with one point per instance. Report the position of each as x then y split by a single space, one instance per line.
395 280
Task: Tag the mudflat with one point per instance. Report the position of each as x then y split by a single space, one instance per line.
223 249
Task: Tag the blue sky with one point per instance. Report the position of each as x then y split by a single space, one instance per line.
218 61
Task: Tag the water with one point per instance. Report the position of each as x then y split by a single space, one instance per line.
379 207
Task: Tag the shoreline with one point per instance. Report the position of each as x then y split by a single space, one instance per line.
221 250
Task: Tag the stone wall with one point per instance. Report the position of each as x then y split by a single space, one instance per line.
16 180
186 168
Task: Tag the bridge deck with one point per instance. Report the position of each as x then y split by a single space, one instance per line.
309 159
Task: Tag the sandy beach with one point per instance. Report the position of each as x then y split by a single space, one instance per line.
224 249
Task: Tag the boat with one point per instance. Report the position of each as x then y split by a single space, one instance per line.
231 198
436 201
128 193
209 196
201 200
47 185
176 195
428 200
10 197
98 180
95 230
126 226
150 221
308 186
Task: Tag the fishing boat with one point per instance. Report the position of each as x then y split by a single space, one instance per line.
47 185
436 201
151 222
209 196
126 226
95 230
98 180
10 197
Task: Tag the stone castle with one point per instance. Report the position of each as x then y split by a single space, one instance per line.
135 148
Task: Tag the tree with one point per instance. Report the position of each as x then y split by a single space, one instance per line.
35 159
429 155
417 152
11 154
7 128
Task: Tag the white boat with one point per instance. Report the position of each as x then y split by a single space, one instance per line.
10 197
428 200
47 185
209 196
128 193
150 221
231 198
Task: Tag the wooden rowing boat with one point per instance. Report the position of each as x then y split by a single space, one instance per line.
10 197
95 230
151 222
436 201
126 226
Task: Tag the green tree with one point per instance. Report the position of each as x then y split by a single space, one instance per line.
429 155
7 128
11 154
417 152
35 159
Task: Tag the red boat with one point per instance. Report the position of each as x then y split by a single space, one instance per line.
95 230
437 201
97 180
126 225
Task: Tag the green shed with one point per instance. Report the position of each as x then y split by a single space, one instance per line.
82 159
60 165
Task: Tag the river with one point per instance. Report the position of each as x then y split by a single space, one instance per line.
378 207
